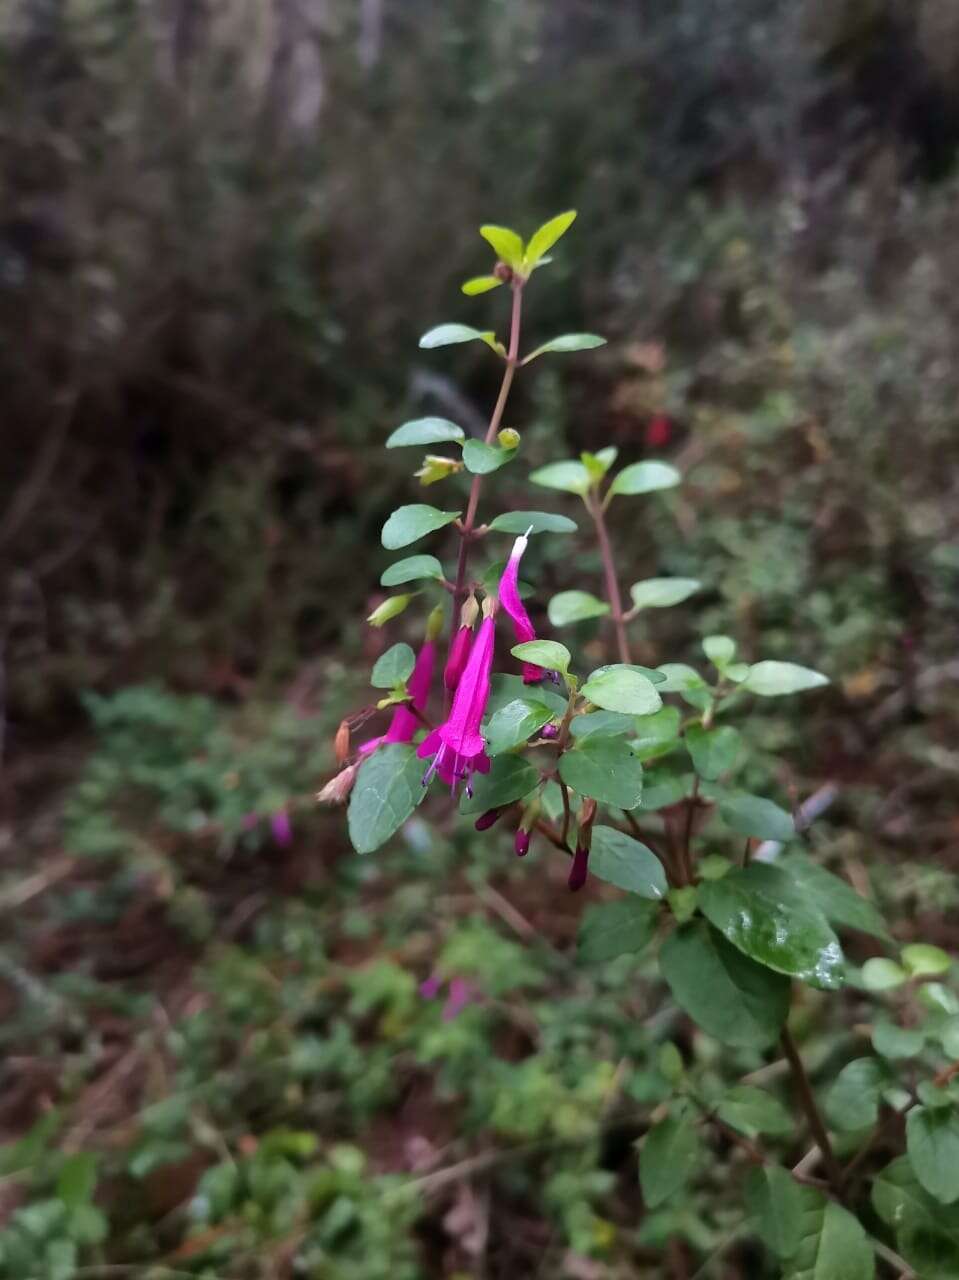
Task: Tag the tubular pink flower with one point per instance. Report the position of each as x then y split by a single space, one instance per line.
459 655
509 599
457 746
404 723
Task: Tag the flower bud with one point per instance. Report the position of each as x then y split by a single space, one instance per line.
469 612
579 869
503 271
486 820
337 790
434 624
458 657
508 438
390 608
341 743
549 731
521 843
437 468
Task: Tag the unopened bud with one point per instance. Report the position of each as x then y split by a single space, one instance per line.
390 608
469 612
503 271
549 731
521 843
579 870
434 624
341 743
458 658
338 789
486 820
509 438
436 468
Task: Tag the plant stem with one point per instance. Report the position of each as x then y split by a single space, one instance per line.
595 509
810 1106
469 520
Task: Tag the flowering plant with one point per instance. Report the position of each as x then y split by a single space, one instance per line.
598 767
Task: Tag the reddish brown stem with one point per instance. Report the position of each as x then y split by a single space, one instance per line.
469 520
807 1100
595 508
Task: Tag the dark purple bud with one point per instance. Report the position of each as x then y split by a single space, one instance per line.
521 843
549 731
486 820
577 872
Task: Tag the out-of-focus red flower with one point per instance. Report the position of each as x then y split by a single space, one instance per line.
659 431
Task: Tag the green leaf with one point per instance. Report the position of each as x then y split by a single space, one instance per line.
411 569
575 606
567 342
506 244
753 1111
546 236
773 679
597 464
645 477
480 459
514 724
925 961
544 653
896 1042
775 1201
680 678
714 751
606 769
613 929
853 1100
77 1179
840 904
927 1233
445 335
388 788
834 1245
932 1140
667 1159
656 732
622 688
738 1002
683 903
881 974
662 593
758 910
620 860
480 284
510 778
535 521
601 724
663 786
425 431
508 688
720 650
408 524
571 477
393 667
754 816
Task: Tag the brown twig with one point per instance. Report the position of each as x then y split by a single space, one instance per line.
595 509
810 1106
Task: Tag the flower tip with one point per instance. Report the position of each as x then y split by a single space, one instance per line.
579 870
487 819
521 843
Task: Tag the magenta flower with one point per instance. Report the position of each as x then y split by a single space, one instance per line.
458 657
404 723
280 826
457 746
579 869
521 843
509 599
461 993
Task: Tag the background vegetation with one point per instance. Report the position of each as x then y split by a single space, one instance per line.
223 229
